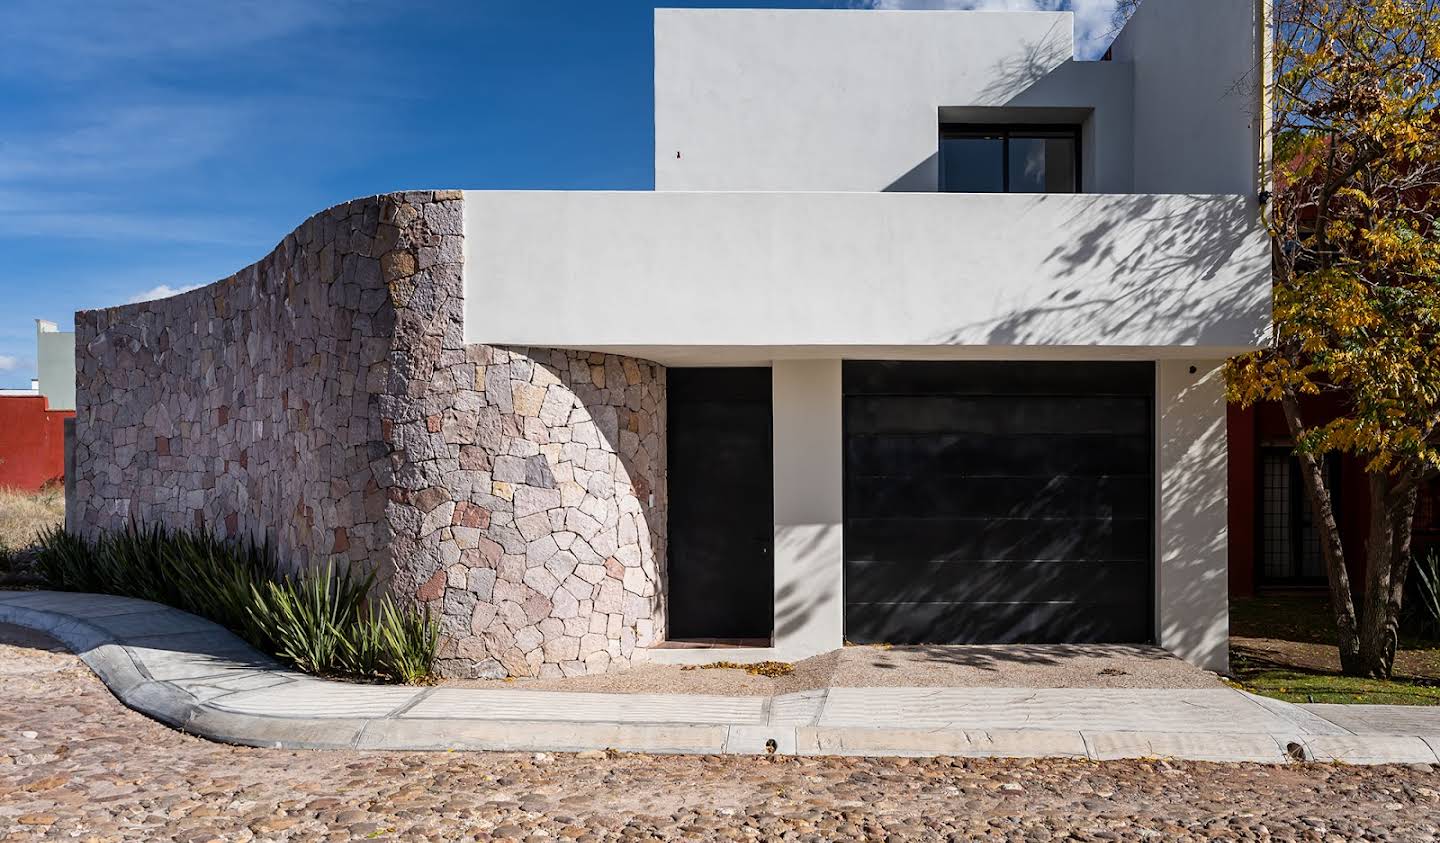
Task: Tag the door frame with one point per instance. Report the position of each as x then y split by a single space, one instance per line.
668 579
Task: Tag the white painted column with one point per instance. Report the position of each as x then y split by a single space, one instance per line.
809 505
1192 601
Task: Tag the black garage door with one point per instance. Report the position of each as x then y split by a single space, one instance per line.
998 502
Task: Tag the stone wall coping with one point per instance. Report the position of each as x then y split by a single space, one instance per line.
331 211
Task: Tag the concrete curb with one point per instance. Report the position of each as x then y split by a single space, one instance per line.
194 676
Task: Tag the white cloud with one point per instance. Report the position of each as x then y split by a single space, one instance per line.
129 140
9 363
1094 19
75 38
161 291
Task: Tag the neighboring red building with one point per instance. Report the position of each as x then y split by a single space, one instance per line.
32 421
32 441
1273 541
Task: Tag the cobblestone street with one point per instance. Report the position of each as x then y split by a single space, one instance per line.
76 765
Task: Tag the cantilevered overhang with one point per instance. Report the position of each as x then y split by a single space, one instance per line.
730 277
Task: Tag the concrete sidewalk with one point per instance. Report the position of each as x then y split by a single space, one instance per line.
191 674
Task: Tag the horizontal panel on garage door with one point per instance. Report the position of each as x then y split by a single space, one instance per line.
993 581
1075 622
907 377
994 502
959 539
1006 454
999 414
940 496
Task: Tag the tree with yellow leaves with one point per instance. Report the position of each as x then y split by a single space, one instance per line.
1356 174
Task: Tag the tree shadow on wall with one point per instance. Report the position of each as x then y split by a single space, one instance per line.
616 415
811 552
1198 282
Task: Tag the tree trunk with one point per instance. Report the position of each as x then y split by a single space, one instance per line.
1392 509
1331 550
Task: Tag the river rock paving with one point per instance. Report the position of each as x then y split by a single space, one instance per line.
76 765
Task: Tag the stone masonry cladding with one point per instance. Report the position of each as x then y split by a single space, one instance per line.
324 399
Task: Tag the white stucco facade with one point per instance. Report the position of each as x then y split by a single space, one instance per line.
1109 274
797 224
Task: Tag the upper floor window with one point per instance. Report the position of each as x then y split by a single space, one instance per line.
1013 159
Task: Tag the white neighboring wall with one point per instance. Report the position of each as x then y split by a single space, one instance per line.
55 364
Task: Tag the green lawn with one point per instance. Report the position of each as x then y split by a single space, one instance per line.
1284 647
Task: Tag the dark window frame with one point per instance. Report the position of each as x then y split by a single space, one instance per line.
1297 502
1070 131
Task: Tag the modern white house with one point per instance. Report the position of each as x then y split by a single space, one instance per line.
943 310
917 340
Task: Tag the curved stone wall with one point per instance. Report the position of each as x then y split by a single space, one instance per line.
251 405
542 549
324 399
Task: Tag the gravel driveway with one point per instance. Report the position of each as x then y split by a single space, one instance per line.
74 764
1008 666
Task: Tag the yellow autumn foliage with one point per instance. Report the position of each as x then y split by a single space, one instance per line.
1356 179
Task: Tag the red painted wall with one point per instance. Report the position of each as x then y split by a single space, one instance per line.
32 441
1264 424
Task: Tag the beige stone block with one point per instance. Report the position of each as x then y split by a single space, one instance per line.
637 583
465 538
527 397
528 639
544 376
632 370
561 649
572 494
611 598
533 526
565 605
645 633
591 573
481 618
591 643
396 265
597 662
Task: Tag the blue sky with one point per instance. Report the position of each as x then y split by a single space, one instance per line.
149 145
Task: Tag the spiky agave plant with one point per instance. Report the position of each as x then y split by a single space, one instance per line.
412 641
1428 588
311 614
66 561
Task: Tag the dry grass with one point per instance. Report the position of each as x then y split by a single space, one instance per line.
767 669
23 515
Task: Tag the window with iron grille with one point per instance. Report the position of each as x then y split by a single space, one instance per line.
1289 539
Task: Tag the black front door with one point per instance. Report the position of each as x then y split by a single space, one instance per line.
720 566
998 502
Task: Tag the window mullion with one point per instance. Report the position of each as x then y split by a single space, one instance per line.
1005 162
